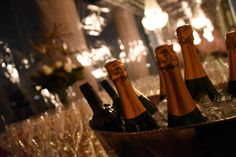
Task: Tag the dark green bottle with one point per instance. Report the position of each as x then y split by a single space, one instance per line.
104 118
113 95
147 103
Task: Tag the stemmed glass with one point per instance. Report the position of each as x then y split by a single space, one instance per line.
63 131
60 132
91 146
72 131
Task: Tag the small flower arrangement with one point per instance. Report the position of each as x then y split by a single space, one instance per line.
55 74
58 78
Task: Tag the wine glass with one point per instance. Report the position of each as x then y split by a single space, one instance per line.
90 146
86 148
43 134
72 130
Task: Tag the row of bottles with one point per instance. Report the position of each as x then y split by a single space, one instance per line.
132 111
136 116
182 109
195 76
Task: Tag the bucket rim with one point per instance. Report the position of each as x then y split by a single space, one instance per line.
167 129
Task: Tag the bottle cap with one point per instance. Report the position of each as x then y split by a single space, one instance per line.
231 40
185 34
116 69
166 57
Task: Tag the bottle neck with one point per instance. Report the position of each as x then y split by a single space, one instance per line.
92 97
193 66
109 89
131 105
232 64
179 99
162 79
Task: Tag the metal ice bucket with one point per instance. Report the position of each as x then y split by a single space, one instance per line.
211 139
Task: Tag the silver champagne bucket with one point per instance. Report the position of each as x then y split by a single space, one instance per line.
210 139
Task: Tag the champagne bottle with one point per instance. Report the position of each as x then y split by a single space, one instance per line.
136 117
182 109
103 118
113 95
196 79
147 103
231 47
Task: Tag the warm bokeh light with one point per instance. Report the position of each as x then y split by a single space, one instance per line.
200 22
94 22
197 40
7 63
180 22
187 10
176 46
154 21
99 73
207 34
84 58
154 17
136 51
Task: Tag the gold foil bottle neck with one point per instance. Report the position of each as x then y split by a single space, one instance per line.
231 40
116 69
231 45
166 57
185 34
129 100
